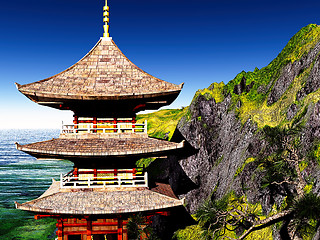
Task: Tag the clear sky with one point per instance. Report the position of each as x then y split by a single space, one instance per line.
197 42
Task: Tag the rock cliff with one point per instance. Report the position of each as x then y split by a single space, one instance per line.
222 127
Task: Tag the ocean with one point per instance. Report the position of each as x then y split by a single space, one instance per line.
23 178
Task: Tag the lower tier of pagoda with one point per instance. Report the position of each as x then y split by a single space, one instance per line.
102 201
99 228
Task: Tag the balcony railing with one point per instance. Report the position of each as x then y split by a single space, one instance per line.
105 128
121 180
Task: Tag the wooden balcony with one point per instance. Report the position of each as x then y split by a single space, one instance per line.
105 128
92 178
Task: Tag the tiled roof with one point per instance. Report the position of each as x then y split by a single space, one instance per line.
100 202
99 147
103 74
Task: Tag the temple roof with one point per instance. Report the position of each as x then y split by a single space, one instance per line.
99 147
103 74
80 202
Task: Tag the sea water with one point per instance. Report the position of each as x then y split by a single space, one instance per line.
22 177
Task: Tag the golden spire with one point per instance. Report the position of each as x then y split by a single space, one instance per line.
106 20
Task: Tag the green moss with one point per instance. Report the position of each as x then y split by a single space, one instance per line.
317 154
275 114
262 234
215 91
303 165
189 233
240 169
308 188
162 122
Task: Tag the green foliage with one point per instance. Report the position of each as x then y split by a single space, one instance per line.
308 207
193 232
220 218
138 228
307 214
144 162
215 91
276 165
162 122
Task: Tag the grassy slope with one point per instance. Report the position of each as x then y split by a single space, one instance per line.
162 122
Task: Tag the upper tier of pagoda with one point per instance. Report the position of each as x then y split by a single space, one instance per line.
105 76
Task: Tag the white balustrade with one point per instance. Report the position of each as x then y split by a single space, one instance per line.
105 128
69 181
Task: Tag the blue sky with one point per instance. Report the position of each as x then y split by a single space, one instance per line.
196 42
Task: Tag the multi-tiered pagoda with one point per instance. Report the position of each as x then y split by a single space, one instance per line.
105 90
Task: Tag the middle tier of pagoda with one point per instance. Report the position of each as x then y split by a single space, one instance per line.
102 149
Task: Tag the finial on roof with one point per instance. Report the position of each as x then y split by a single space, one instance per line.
106 20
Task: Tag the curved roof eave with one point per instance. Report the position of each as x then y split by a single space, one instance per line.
104 73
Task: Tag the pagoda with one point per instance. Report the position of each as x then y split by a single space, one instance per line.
104 90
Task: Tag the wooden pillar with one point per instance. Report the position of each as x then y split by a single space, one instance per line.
95 173
95 122
75 122
75 119
75 172
133 124
60 229
89 229
115 124
120 229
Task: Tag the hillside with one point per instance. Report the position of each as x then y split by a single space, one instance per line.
223 128
162 124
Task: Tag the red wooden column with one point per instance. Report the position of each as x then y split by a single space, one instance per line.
115 124
120 229
75 122
60 229
95 122
75 172
89 229
133 121
95 173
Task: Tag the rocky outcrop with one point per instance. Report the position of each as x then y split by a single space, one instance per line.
222 143
221 146
222 129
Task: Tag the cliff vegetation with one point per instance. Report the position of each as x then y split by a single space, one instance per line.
236 178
